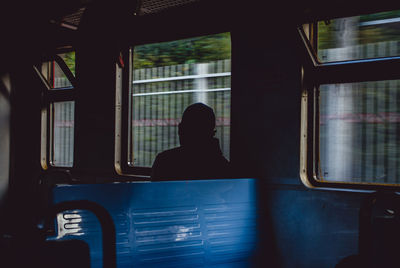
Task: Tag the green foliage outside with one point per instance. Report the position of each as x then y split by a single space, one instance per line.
380 16
69 59
193 50
328 31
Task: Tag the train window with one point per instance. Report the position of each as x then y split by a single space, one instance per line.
350 112
58 117
358 132
167 77
359 37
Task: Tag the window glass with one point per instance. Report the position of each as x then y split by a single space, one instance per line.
57 77
359 37
62 138
359 127
166 78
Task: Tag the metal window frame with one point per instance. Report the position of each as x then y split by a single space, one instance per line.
122 119
49 97
314 74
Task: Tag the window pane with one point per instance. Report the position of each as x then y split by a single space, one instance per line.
359 37
62 138
359 132
54 74
168 77
60 80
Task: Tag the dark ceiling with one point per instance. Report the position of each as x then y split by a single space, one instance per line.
30 28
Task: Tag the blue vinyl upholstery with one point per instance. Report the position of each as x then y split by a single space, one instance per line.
202 223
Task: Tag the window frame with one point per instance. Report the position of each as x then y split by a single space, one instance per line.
314 74
50 96
124 78
122 118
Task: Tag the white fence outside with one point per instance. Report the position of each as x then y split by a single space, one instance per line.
159 97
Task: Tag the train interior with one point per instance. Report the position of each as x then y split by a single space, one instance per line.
305 96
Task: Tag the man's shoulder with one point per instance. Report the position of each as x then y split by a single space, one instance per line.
166 164
174 152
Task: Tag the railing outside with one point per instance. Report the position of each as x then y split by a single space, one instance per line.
160 95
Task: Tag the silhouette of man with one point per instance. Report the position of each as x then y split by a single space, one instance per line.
199 156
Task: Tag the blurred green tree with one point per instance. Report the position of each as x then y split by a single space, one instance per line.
193 50
69 59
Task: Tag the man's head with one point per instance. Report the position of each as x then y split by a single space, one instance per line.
197 125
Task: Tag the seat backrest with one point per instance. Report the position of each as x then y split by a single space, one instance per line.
168 224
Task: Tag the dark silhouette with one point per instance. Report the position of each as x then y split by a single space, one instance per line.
199 156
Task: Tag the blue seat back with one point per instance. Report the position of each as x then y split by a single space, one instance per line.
202 223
